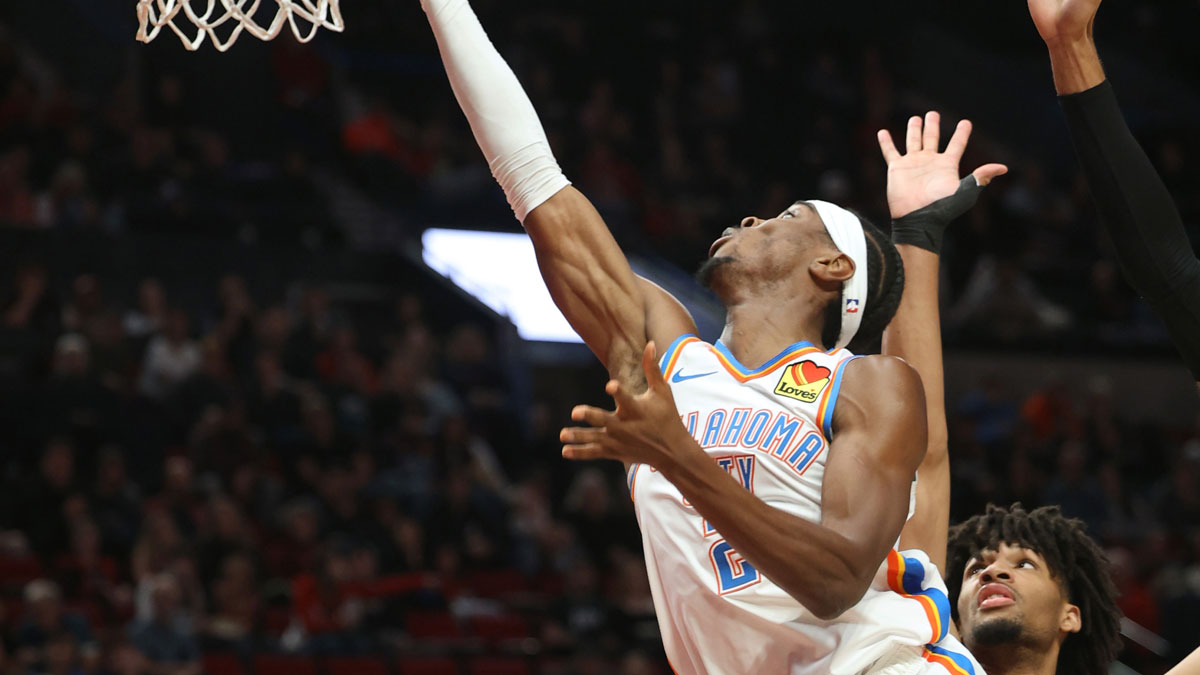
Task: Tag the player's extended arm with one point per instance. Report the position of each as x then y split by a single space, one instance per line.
586 272
1133 203
924 195
828 566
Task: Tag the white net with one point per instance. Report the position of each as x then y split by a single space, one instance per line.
231 17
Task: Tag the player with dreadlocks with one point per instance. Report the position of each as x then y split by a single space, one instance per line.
1034 592
1030 591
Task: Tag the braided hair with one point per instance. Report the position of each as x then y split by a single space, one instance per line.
1075 561
885 285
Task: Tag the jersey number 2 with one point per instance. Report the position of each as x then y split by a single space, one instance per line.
733 571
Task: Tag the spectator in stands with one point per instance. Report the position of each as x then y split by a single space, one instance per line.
167 638
170 357
50 634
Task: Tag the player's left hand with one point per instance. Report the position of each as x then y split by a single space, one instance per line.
923 175
645 428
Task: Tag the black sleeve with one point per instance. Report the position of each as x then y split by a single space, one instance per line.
1137 211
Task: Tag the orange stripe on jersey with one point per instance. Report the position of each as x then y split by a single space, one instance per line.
946 662
778 362
673 357
895 577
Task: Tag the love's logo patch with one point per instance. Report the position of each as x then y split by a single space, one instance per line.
803 381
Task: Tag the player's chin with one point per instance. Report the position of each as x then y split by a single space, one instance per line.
708 269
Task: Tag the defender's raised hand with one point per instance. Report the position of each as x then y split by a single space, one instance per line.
644 429
1060 21
922 175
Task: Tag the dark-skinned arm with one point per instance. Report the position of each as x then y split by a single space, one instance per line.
879 439
1132 202
587 274
924 194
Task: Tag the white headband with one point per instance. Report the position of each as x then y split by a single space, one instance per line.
847 233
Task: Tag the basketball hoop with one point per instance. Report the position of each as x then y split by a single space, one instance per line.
304 16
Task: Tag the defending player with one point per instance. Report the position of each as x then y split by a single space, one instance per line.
1030 591
798 289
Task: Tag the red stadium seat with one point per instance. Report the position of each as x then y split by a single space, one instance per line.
416 666
223 663
278 664
16 572
355 666
432 625
497 666
498 583
495 628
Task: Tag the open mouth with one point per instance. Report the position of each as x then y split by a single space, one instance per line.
993 596
725 236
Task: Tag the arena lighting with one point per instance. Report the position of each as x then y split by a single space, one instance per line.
500 270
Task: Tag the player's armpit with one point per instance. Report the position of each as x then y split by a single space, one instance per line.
591 281
666 317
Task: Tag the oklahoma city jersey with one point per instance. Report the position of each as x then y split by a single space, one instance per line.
770 429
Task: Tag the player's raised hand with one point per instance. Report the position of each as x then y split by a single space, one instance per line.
645 428
1060 21
922 175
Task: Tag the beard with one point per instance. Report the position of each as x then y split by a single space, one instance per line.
709 268
1006 631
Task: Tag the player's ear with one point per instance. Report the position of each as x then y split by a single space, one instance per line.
1070 621
832 268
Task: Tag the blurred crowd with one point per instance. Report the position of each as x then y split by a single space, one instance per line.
274 474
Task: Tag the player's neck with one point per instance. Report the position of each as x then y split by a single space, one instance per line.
1016 660
756 332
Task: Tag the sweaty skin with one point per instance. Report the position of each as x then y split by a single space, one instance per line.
1013 614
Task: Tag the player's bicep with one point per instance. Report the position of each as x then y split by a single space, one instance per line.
590 280
878 441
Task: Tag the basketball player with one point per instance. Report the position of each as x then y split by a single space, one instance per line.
1032 590
817 449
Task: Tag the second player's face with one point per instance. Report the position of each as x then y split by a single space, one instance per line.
1010 595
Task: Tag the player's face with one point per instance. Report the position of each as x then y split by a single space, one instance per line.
772 248
1009 596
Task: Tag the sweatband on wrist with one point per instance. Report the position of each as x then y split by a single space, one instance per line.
925 227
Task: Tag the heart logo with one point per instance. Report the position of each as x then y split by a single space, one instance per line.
808 372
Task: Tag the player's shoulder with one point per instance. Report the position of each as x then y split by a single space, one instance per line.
869 372
884 385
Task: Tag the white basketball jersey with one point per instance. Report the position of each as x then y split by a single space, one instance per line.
770 429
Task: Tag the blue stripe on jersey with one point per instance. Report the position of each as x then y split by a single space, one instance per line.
827 422
666 356
913 581
777 358
958 659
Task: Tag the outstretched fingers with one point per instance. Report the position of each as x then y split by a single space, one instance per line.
958 142
887 146
933 131
989 172
913 142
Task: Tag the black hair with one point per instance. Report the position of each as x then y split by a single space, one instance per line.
1076 562
885 285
